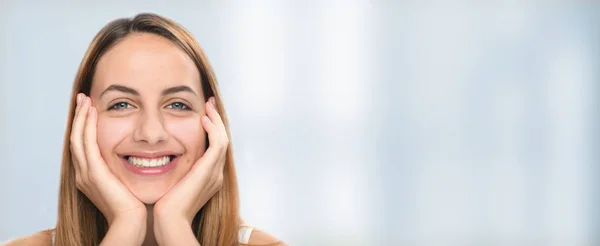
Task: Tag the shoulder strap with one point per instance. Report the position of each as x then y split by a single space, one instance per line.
244 234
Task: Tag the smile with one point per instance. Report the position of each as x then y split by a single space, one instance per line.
150 166
149 162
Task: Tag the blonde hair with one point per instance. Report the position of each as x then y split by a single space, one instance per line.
79 221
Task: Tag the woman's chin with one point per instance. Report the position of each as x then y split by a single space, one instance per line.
148 195
149 199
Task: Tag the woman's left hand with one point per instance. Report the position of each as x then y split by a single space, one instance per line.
174 212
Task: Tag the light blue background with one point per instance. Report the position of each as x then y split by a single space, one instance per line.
353 122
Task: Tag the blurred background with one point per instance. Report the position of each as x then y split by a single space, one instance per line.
354 122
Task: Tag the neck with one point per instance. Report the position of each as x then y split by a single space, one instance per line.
150 239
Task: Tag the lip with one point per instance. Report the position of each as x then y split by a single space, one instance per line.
149 155
150 171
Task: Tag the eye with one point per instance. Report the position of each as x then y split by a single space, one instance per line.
178 106
119 106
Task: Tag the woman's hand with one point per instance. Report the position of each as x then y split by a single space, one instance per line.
175 211
121 208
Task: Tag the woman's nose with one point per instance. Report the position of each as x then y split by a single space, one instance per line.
151 129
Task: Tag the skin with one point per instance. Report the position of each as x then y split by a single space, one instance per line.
111 122
150 121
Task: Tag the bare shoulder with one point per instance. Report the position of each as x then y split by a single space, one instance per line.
39 238
260 237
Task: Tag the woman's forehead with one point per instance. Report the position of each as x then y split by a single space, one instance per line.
146 62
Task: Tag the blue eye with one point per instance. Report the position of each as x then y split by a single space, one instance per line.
178 106
120 106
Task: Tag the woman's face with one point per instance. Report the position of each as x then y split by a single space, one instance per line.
150 102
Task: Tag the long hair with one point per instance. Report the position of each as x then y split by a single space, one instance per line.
79 221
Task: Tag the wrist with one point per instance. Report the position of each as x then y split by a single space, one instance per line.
126 231
174 231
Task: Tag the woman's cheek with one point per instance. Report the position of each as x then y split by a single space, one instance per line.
111 131
189 132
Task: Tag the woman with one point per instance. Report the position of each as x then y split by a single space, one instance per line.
146 159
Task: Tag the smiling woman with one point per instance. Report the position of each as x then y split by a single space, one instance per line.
147 158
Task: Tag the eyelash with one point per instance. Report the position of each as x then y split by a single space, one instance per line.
113 107
185 106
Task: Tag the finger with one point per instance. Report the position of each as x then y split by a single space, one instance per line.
77 109
77 103
219 133
75 114
73 159
220 139
76 164
212 153
77 136
90 141
213 114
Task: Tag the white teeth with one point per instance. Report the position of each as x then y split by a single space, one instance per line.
155 162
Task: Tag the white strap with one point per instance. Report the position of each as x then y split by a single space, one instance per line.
244 234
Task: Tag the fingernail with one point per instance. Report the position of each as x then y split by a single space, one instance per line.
78 98
212 100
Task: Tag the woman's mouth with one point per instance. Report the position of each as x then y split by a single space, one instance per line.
150 166
149 162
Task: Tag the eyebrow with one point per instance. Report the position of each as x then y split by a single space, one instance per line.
181 88
168 91
120 88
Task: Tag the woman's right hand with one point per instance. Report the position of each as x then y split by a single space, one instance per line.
97 182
